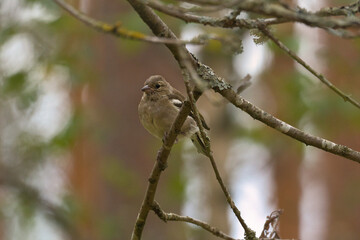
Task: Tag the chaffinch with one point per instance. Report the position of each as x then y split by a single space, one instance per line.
158 108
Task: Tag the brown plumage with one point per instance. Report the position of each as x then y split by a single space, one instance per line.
158 108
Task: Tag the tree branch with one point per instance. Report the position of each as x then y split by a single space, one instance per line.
281 13
175 217
228 93
224 22
287 129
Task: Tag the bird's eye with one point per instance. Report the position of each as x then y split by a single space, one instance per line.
157 86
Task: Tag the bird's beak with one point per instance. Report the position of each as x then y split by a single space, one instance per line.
145 88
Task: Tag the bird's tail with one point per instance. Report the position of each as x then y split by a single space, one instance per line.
199 143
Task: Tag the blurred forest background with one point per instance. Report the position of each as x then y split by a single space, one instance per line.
69 130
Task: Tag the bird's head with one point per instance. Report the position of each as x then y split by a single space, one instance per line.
156 85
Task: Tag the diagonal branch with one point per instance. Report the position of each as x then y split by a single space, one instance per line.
293 55
287 129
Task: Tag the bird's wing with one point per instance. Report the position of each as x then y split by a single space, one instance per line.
178 99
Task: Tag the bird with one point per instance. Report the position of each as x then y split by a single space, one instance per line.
160 105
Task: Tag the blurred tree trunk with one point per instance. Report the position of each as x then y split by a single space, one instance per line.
342 177
285 153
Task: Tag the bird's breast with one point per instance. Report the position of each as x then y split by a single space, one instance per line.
147 113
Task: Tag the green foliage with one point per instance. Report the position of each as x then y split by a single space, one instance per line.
17 87
176 186
49 5
27 98
14 84
27 207
27 150
131 21
120 177
109 227
6 32
67 136
289 40
325 112
229 42
71 212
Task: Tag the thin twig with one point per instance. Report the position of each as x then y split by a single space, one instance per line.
175 217
190 72
118 30
293 55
